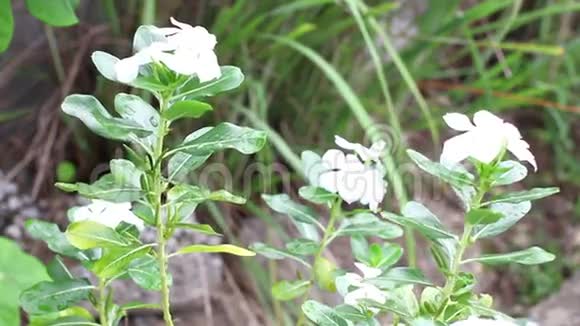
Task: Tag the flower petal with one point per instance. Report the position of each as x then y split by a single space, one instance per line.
334 159
329 180
368 272
456 149
126 70
207 66
485 118
520 149
458 121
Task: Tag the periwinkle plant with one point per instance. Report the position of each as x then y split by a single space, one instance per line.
380 287
178 66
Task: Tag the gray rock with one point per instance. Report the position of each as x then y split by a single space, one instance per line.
562 308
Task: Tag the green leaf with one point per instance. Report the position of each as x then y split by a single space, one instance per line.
140 305
223 136
89 234
387 255
317 195
351 313
324 274
186 109
367 224
522 196
115 261
72 321
282 203
322 315
145 272
454 177
79 315
47 297
303 247
530 256
200 228
58 271
482 216
6 24
132 108
222 248
94 115
123 184
18 271
230 78
54 238
54 12
288 290
417 216
511 214
275 253
225 196
508 172
182 163
400 275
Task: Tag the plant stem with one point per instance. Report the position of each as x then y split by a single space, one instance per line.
103 303
158 189
464 243
328 231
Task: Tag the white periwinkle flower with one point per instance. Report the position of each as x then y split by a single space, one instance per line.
474 321
106 213
352 179
184 49
363 290
366 154
483 140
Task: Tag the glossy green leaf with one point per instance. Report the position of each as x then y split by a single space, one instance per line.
224 136
47 297
115 261
145 272
387 254
6 24
508 172
417 216
74 314
317 195
54 238
453 177
282 203
18 271
181 163
222 248
230 78
512 213
186 109
94 115
199 228
58 271
522 196
132 108
89 234
367 224
322 315
123 184
288 290
530 256
482 216
275 253
352 313
303 247
400 275
54 12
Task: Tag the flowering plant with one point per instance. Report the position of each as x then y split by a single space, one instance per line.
178 66
381 287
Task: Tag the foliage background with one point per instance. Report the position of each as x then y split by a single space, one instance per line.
315 68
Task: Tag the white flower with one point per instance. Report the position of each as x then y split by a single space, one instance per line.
366 154
106 213
184 49
483 141
364 290
474 321
352 179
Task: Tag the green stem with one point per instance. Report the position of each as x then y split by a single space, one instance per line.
464 243
103 303
158 188
55 53
326 239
